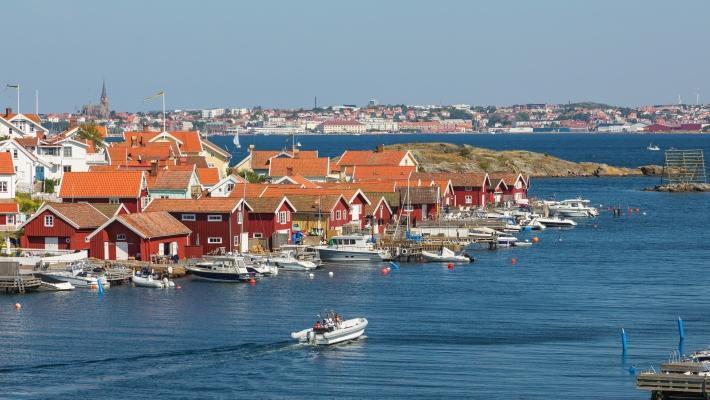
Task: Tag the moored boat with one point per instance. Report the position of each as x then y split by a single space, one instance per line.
573 208
445 255
557 222
221 269
351 249
145 278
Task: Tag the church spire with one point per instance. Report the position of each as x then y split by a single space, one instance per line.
103 90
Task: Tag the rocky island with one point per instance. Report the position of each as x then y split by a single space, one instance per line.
448 157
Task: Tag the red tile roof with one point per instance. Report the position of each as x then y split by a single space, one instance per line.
208 176
457 178
381 172
309 167
260 158
6 166
169 180
136 155
94 184
367 157
82 215
191 142
153 224
32 117
9 206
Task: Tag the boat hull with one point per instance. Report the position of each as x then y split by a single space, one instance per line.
352 329
350 256
216 276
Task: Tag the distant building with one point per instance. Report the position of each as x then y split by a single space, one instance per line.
342 126
100 110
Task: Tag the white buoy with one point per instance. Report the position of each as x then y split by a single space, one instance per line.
311 275
330 274
644 213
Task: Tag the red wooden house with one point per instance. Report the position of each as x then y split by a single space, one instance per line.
470 189
379 214
139 236
65 226
419 202
215 222
269 215
114 187
516 187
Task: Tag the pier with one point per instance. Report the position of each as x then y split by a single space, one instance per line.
676 380
12 281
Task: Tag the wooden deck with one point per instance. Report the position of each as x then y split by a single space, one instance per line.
673 382
19 283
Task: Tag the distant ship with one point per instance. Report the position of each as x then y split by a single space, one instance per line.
653 147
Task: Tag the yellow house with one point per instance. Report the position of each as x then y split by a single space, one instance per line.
216 156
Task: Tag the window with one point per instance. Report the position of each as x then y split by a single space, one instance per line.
230 187
188 217
214 240
210 165
10 219
14 153
282 217
67 152
214 218
144 201
468 188
337 215
121 237
469 199
257 235
163 196
113 200
3 187
66 168
49 221
240 218
236 241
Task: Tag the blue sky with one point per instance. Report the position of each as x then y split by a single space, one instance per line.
283 53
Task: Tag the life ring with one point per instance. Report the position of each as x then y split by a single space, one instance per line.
405 251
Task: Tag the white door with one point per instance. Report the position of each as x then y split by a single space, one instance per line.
51 243
173 248
105 250
121 250
244 242
424 211
161 249
355 212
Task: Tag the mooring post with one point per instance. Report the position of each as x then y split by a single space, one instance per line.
681 329
624 341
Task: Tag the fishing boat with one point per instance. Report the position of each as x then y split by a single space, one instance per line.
573 208
652 147
351 249
146 278
221 269
445 255
557 222
331 330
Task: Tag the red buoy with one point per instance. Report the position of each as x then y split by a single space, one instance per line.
450 266
384 271
513 261
252 281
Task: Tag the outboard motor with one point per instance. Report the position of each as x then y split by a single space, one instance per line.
311 337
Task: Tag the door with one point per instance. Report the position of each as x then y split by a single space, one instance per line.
244 242
424 211
121 250
173 248
105 250
161 248
39 173
51 243
356 212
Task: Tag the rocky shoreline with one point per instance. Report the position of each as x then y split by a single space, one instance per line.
448 157
680 187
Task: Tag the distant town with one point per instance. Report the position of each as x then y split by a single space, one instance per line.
393 118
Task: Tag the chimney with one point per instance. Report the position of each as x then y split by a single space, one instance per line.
133 141
154 168
8 111
145 127
380 148
289 171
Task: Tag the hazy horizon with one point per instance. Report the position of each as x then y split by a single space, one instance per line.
282 54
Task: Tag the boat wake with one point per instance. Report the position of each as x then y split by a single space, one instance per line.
246 350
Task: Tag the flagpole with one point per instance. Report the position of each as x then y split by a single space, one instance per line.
164 130
18 98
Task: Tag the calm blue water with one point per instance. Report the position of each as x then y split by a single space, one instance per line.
547 327
627 150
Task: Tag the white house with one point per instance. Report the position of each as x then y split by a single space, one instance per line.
225 186
28 167
7 176
26 125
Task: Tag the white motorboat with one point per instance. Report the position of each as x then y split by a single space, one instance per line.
445 255
525 243
351 249
332 330
506 241
557 222
653 147
286 261
221 269
150 280
77 277
481 233
50 284
573 208
534 224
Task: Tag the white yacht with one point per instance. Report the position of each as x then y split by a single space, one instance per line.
331 330
573 208
286 261
221 269
76 276
556 222
446 255
351 249
653 147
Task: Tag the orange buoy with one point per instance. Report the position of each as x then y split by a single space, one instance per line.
450 266
536 239
513 261
18 306
252 281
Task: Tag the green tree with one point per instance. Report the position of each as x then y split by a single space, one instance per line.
522 116
90 131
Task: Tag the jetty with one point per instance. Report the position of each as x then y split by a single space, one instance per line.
676 380
13 281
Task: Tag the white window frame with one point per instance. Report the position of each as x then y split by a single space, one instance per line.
64 151
468 199
113 200
240 217
338 214
14 152
120 237
214 240
283 218
230 186
188 217
468 188
214 218
257 235
3 186
49 221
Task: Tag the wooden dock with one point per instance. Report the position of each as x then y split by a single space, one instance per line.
677 380
12 281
